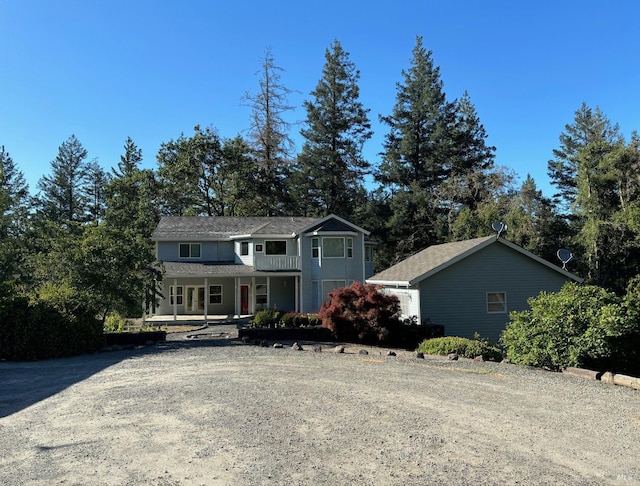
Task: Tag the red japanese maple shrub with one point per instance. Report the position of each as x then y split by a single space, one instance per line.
361 313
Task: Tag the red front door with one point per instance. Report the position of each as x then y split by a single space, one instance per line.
244 299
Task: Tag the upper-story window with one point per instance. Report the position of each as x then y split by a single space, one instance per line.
189 250
315 247
332 247
368 253
244 248
350 247
275 247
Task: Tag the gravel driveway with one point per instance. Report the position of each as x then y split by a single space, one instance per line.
219 412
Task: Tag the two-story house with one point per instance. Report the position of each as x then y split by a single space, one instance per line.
238 265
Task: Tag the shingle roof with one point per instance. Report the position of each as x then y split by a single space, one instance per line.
436 257
225 227
204 269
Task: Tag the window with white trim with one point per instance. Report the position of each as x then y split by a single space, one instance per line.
244 248
175 295
332 247
275 247
190 250
350 247
215 294
315 247
496 302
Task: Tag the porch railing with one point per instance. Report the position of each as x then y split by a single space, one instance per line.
274 263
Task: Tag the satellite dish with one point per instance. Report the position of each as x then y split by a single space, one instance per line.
565 256
499 227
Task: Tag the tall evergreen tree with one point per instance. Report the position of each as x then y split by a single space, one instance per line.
589 126
131 194
63 196
14 207
418 154
269 139
96 183
331 168
418 147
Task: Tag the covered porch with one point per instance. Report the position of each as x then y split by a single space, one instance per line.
209 296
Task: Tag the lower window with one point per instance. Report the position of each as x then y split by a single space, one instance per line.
496 302
175 295
215 294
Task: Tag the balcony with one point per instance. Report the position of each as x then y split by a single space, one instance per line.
276 263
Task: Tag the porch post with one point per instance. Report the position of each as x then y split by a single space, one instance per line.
175 299
269 291
206 298
299 282
252 294
236 296
297 294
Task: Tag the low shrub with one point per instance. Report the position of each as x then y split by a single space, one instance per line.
266 318
467 348
114 322
295 319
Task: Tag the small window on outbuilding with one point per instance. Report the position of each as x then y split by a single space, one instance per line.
244 248
496 302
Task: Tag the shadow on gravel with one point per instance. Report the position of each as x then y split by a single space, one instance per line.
26 383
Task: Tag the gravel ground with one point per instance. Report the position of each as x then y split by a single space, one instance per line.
219 412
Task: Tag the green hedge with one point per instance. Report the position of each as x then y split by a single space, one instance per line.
31 330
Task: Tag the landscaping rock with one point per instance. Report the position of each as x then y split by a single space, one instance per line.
419 355
391 353
296 347
338 349
452 357
478 358
317 348
278 345
363 351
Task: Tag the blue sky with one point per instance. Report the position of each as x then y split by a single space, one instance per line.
108 69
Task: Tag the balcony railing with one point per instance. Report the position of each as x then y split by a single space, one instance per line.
276 263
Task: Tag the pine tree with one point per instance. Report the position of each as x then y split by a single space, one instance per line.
589 126
14 208
131 194
63 196
270 141
418 147
331 168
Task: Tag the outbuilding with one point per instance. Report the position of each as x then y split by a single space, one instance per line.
470 286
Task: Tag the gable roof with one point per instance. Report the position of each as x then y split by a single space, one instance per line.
435 258
200 228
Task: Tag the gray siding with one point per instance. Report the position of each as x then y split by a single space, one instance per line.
282 293
212 251
456 296
347 269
